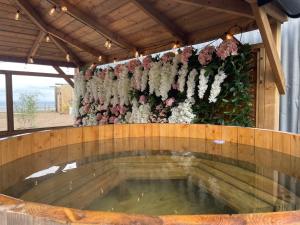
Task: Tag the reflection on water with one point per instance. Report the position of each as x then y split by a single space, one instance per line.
157 176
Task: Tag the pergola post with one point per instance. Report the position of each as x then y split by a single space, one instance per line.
9 103
267 93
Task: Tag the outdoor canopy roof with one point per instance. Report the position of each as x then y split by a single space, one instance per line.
80 29
290 7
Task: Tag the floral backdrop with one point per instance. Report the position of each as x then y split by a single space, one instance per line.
209 86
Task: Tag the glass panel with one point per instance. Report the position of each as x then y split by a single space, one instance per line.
3 114
41 102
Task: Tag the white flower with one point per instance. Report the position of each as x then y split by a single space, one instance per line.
79 91
183 113
144 80
154 78
202 86
191 84
137 76
124 87
216 86
182 75
165 83
139 114
115 95
107 88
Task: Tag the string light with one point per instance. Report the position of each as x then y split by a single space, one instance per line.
52 10
136 54
115 60
107 44
30 60
17 16
100 58
228 36
47 38
68 57
176 45
64 8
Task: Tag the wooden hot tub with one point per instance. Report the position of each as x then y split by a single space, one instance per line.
244 146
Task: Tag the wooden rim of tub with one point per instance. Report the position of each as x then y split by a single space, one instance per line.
16 211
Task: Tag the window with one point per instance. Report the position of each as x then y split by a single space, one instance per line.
3 113
41 102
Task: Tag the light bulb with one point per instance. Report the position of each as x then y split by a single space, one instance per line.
115 60
17 16
136 54
228 36
52 10
68 57
47 38
64 8
109 45
106 44
30 60
100 58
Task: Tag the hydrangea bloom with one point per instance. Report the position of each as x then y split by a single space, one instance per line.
227 48
186 54
132 64
205 55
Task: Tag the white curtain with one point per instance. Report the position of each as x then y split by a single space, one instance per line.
290 56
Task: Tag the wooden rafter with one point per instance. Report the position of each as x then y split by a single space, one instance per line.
270 45
36 45
161 19
62 46
92 23
18 59
38 21
237 7
62 73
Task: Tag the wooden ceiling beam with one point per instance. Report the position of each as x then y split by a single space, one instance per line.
236 7
62 73
264 26
162 20
30 11
92 23
6 58
62 46
36 45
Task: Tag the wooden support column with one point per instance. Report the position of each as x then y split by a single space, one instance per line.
9 103
267 93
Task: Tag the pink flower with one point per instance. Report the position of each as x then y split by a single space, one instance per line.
142 99
227 48
118 70
116 120
167 57
147 62
115 110
186 54
88 74
132 64
205 55
86 108
103 120
170 101
111 119
78 121
102 73
122 110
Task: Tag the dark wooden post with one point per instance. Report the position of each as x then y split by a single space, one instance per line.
9 103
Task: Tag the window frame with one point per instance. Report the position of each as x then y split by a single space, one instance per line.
9 100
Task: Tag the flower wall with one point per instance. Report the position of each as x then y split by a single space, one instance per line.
209 86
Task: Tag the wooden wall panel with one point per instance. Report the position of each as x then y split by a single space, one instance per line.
41 141
295 145
263 138
74 135
213 132
90 133
106 132
181 130
197 131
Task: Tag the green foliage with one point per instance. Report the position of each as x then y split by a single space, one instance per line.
26 109
234 104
